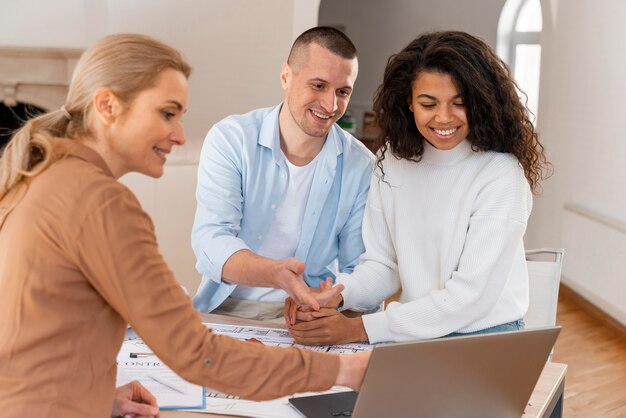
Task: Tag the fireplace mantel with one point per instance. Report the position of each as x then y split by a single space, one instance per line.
36 76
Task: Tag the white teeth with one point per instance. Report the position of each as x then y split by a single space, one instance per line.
319 115
445 132
158 151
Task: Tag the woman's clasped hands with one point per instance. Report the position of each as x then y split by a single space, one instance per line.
327 325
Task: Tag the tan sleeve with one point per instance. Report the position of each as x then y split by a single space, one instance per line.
118 253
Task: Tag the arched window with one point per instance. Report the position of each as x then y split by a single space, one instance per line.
519 36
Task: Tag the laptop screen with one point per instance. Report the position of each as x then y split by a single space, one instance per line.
484 375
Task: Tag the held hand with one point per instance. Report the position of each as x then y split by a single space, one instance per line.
336 328
290 311
328 296
352 369
134 400
307 316
290 278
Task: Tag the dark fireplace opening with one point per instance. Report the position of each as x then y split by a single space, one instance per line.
13 117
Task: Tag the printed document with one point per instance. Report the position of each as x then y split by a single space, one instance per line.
135 361
219 403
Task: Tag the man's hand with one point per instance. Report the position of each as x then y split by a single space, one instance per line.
134 400
334 328
290 277
328 296
249 269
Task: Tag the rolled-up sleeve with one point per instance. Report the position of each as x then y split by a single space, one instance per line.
219 198
117 250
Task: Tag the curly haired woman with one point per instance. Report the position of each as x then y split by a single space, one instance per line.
449 205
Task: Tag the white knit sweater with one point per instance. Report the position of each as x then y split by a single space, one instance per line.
447 230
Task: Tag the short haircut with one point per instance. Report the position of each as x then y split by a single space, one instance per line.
331 39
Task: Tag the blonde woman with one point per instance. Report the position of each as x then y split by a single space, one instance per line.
79 258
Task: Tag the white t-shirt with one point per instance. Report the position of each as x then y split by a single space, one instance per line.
284 233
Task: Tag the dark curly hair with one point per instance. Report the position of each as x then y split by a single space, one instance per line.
497 118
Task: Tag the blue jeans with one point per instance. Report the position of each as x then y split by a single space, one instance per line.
509 326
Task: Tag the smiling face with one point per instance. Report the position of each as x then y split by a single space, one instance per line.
142 134
317 85
438 110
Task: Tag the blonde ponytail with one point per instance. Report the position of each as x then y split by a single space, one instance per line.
126 63
30 150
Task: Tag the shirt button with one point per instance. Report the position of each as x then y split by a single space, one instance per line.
273 206
208 361
260 237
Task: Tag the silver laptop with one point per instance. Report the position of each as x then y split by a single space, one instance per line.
483 376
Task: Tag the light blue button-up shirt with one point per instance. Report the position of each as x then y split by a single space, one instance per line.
242 177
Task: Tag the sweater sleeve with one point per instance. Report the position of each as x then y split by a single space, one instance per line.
492 244
118 253
375 278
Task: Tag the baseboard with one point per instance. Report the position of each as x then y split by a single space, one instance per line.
592 310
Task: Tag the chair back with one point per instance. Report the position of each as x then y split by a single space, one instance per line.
544 278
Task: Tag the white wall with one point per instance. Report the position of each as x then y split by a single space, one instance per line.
236 48
381 28
60 24
581 122
583 207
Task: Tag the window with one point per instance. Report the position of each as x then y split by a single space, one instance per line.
519 36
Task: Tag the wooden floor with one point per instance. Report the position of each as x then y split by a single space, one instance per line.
595 383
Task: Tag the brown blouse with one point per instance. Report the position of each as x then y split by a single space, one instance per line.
78 261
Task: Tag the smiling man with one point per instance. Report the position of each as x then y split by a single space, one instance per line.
282 190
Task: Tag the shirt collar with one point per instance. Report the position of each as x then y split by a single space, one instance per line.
65 147
76 149
270 137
